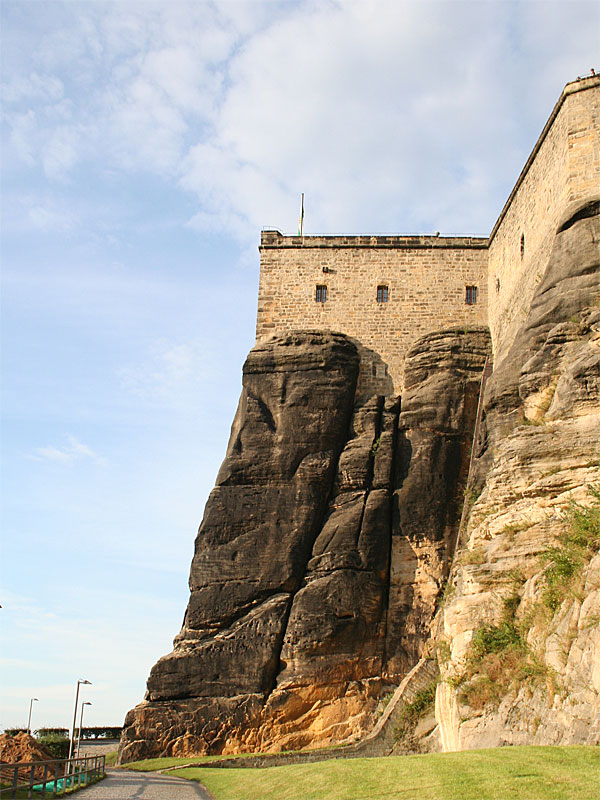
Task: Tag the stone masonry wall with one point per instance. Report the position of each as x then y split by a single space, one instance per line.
426 278
561 173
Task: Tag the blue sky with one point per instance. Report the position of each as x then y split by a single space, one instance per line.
144 146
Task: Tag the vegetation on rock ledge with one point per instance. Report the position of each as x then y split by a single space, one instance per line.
576 546
413 711
499 658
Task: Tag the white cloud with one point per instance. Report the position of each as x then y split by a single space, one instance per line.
46 88
137 76
73 450
62 150
43 218
169 375
389 116
23 130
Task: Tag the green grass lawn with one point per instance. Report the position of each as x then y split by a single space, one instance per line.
508 773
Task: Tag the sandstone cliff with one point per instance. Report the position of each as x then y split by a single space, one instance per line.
322 550
327 545
520 642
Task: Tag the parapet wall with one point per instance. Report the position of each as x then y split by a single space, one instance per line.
562 172
425 277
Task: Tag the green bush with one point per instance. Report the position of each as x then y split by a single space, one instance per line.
49 731
55 744
102 732
584 530
498 660
493 639
576 546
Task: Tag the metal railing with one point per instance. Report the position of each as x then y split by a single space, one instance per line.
49 778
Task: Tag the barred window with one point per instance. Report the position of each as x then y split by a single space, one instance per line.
379 370
470 295
382 294
321 293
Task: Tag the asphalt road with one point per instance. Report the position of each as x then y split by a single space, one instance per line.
123 785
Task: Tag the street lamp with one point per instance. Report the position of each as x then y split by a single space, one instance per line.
72 742
87 703
31 702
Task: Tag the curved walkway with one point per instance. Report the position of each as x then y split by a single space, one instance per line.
126 785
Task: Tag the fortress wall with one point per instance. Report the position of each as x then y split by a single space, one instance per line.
426 278
583 108
563 169
427 275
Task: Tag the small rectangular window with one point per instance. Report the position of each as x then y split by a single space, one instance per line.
470 295
321 294
379 370
382 294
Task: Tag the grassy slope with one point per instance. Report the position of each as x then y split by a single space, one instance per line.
518 773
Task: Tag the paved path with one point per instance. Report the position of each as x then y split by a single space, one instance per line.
98 747
124 785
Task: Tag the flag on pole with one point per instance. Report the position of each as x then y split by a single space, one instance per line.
301 221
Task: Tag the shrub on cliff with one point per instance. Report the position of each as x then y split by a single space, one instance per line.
498 660
421 703
493 639
578 543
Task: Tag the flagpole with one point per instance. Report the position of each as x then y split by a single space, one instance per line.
301 226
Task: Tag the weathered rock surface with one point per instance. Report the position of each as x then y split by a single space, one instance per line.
443 372
256 537
326 542
540 451
316 570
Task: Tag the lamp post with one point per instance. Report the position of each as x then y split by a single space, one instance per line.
87 703
31 702
72 742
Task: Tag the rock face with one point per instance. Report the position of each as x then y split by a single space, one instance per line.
328 538
321 553
439 405
262 518
540 452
